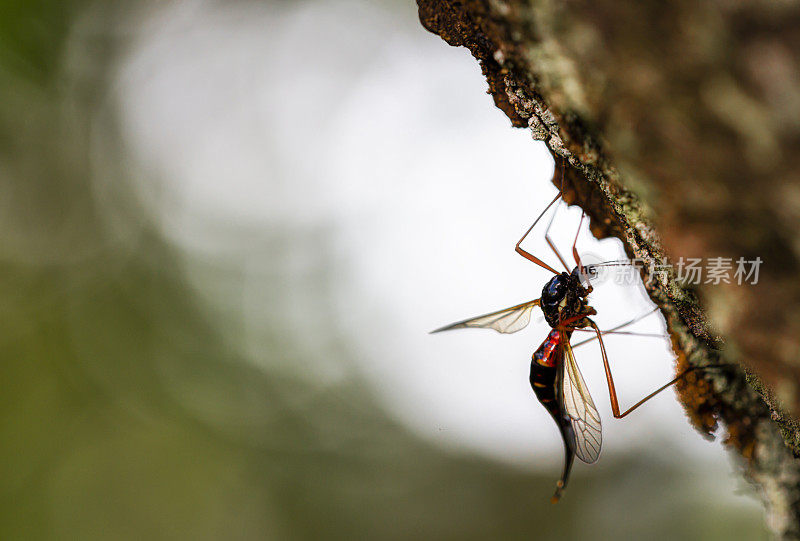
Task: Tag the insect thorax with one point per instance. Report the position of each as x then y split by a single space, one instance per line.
563 297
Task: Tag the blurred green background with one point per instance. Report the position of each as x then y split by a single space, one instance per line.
128 408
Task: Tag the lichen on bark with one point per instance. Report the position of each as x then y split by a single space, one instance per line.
677 125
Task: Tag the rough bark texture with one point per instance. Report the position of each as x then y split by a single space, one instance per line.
680 125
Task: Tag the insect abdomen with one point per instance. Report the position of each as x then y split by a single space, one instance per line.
544 371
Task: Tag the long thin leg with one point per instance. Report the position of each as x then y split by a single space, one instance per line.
550 241
651 395
575 251
610 379
616 329
623 333
530 256
581 270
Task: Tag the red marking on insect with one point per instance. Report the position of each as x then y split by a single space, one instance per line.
545 355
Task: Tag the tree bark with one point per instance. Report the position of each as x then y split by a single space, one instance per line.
679 127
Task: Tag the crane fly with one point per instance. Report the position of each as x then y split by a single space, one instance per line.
555 377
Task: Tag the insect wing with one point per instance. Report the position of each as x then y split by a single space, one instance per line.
505 321
580 409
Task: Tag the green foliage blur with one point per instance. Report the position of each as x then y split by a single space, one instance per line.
125 412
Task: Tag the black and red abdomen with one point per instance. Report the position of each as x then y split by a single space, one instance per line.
544 372
547 369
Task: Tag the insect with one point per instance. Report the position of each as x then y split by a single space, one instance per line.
554 376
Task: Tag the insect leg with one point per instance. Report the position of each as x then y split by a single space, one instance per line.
654 393
550 241
613 392
624 333
575 251
616 329
553 217
530 256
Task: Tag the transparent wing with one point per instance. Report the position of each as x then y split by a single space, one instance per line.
580 409
506 321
